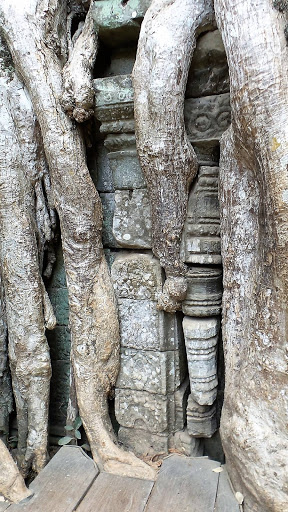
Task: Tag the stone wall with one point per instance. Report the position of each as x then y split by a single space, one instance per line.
167 395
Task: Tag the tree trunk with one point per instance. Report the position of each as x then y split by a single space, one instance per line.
254 211
165 47
93 315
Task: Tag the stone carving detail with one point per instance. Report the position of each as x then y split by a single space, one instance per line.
201 337
208 117
204 291
201 234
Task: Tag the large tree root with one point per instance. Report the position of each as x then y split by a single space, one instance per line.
12 485
165 48
25 298
93 318
254 231
78 97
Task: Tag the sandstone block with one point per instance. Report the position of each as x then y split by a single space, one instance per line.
208 73
126 169
59 342
142 442
114 99
59 301
154 413
132 219
156 372
119 22
101 171
143 327
137 276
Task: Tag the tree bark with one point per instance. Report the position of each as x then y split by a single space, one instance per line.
93 315
78 97
27 305
165 48
12 485
254 224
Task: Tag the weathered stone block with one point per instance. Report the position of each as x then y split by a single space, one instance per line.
142 442
137 276
132 219
208 117
143 327
186 444
118 141
119 22
201 235
59 301
204 292
146 411
126 169
201 419
156 372
114 99
108 205
209 70
59 342
201 337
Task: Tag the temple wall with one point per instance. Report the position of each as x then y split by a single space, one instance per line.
169 390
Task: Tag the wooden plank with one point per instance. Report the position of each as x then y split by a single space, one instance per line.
225 501
185 484
3 504
61 484
112 493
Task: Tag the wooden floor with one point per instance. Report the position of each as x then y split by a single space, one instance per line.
71 482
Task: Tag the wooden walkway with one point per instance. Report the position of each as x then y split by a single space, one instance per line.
71 482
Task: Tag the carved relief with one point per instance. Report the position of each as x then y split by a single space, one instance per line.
201 234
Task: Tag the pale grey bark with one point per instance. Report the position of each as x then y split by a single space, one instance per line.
12 485
166 43
93 315
27 306
254 224
78 96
